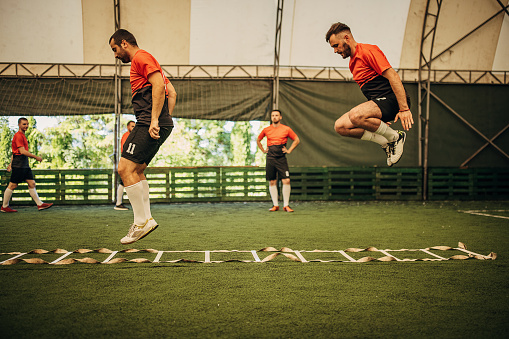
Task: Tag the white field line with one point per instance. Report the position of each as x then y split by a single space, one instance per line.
485 214
469 252
15 257
158 256
389 255
110 257
433 254
207 256
255 256
347 256
302 259
62 257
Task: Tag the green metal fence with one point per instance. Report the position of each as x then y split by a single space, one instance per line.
215 184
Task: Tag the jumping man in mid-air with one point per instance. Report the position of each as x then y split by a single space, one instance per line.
153 102
381 85
277 135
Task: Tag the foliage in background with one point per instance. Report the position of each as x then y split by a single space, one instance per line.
87 142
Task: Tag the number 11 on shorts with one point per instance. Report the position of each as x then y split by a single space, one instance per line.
131 147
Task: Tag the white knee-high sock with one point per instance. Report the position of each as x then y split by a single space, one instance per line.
286 194
35 196
120 194
390 134
135 195
7 197
273 194
376 138
146 199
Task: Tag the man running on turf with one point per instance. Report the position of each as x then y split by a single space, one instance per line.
119 206
153 99
21 169
277 135
381 85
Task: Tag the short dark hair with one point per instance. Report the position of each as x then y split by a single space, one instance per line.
123 34
21 119
336 28
130 122
276 110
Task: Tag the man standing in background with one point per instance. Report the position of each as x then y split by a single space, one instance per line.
119 206
21 170
277 166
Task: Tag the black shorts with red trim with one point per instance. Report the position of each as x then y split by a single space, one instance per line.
140 147
277 168
21 174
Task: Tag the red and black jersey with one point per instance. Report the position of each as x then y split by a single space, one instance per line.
122 141
277 138
367 65
19 160
142 65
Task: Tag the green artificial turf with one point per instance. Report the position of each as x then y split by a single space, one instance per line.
277 299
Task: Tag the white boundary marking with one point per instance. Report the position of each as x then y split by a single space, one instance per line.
158 256
485 214
347 256
297 253
15 257
389 255
433 254
110 257
255 256
61 258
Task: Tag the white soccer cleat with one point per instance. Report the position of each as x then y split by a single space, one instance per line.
388 152
137 232
397 147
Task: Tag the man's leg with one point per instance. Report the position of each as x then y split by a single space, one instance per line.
33 193
365 122
286 194
273 194
7 197
120 194
146 192
129 172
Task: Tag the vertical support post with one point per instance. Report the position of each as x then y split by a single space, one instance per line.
118 104
427 42
277 48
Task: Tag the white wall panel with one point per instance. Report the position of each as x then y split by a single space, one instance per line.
41 31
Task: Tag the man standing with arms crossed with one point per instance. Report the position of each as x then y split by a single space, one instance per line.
119 206
21 169
277 135
381 85
153 99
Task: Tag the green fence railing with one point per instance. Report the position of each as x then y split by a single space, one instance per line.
215 184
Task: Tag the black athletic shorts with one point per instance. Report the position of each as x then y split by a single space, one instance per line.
21 174
277 168
389 106
140 147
